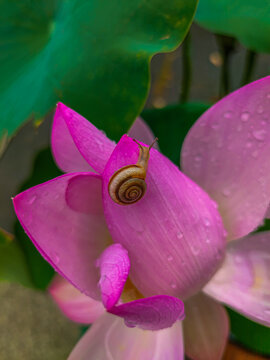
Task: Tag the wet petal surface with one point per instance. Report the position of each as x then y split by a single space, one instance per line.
69 240
174 234
227 153
243 282
114 267
77 145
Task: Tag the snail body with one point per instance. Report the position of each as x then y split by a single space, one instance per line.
127 185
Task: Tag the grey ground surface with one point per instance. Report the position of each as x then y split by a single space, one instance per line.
31 327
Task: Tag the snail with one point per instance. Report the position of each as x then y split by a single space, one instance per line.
127 185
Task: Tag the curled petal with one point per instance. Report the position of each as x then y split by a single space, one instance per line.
206 328
109 339
174 234
243 281
77 145
142 132
69 240
153 313
75 305
114 268
227 153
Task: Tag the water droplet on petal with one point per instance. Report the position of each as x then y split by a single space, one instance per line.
259 134
32 200
173 285
228 115
179 235
207 240
195 250
245 116
248 144
238 259
260 109
255 154
206 222
226 192
55 258
170 258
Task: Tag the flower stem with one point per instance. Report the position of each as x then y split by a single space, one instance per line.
227 46
186 70
250 63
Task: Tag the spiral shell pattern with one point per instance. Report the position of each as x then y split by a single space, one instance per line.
127 185
131 190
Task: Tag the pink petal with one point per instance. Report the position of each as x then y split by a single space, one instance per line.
77 145
243 282
227 153
109 339
174 234
75 305
152 313
69 240
114 268
206 328
142 132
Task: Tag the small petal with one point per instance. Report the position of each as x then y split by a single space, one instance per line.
110 339
152 313
69 240
114 268
174 234
77 145
142 132
227 153
75 305
243 282
206 328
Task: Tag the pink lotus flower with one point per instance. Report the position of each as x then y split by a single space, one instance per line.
142 258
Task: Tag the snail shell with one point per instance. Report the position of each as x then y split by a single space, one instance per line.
127 185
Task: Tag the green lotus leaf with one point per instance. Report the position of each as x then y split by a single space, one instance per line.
247 20
92 55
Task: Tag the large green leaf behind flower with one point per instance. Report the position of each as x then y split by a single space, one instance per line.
93 55
247 20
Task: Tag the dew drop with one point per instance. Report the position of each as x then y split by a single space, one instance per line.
226 192
179 235
248 144
215 126
173 285
195 250
129 323
245 116
32 200
255 154
238 259
170 258
207 240
206 222
228 115
260 109
259 134
55 258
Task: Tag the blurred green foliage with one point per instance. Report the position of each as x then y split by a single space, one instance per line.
247 20
92 55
